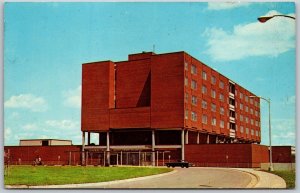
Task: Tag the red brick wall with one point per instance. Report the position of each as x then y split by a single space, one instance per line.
282 154
49 154
133 83
97 95
239 155
167 92
130 118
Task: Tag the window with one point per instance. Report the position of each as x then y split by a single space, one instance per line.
222 111
255 103
242 129
221 85
194 84
186 97
256 123
214 121
194 116
213 80
246 119
241 118
251 111
213 94
204 89
241 95
252 121
204 119
186 66
204 76
256 133
222 97
213 107
186 114
246 98
247 130
222 124
204 104
241 106
252 132
246 108
251 100
186 81
194 69
194 100
256 113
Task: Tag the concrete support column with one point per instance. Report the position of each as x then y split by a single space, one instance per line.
198 136
89 138
217 139
182 144
153 149
107 148
187 137
121 158
207 140
82 149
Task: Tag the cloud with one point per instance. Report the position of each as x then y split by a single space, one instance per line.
7 133
63 124
27 101
225 5
72 98
253 39
30 127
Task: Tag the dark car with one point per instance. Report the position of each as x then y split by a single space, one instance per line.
179 163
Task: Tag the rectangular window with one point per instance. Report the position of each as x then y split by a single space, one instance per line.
194 85
204 119
186 81
246 98
221 84
186 114
222 97
256 123
252 132
204 89
194 116
194 69
247 130
213 107
241 95
246 108
252 121
256 113
194 100
222 111
204 76
251 111
213 94
246 119
204 104
242 129
256 133
241 118
241 106
251 100
214 121
221 124
213 80
186 66
186 97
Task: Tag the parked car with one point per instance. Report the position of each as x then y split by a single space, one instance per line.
179 163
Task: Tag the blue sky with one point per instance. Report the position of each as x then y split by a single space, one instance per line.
46 43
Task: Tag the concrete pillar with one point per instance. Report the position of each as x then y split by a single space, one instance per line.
217 139
198 136
121 158
99 138
182 144
107 148
89 138
187 137
82 149
207 140
153 149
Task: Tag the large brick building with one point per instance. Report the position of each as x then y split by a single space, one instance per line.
163 102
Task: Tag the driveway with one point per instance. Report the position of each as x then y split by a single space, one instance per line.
189 178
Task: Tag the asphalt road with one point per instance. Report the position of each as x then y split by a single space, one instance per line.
190 178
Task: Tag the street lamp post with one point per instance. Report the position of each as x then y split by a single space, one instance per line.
270 136
263 19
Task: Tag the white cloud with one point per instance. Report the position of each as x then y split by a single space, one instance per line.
30 127
253 39
72 98
27 101
63 124
7 133
225 5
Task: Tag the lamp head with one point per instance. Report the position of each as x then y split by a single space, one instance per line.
263 19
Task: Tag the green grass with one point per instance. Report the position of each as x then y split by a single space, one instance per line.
288 176
49 175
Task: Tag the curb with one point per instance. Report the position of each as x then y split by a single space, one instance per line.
88 185
254 178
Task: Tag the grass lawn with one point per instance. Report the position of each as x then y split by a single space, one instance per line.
49 175
288 176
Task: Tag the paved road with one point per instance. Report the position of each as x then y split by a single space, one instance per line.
190 178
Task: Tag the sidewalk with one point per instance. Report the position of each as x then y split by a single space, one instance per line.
265 179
